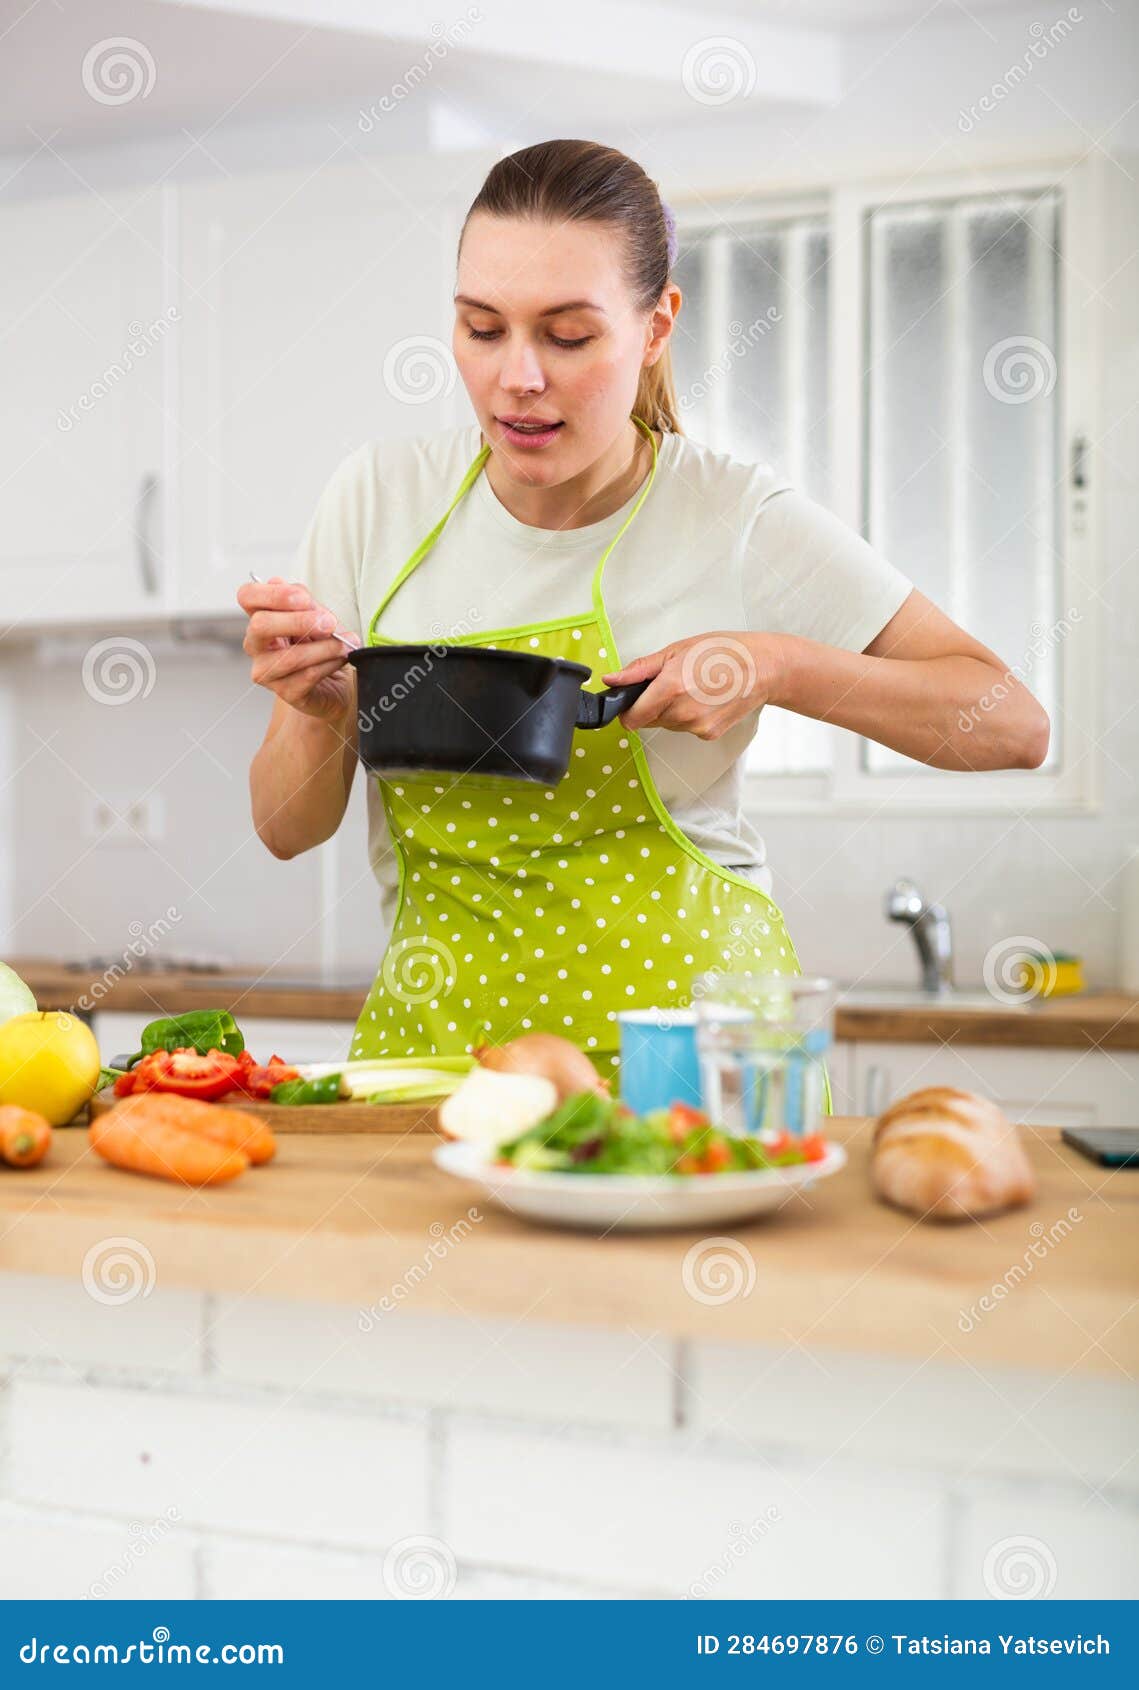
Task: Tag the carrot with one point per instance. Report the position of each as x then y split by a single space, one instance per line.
237 1128
24 1136
156 1147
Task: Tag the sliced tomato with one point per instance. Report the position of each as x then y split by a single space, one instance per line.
683 1119
778 1144
257 1080
187 1072
718 1155
814 1147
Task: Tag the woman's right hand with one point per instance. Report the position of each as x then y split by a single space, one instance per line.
294 655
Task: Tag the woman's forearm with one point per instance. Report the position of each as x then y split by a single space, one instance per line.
952 712
300 780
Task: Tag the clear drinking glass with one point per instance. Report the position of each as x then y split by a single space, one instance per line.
762 1043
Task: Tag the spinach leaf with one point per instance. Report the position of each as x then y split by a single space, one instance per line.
198 1029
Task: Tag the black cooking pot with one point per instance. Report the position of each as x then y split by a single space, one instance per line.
475 711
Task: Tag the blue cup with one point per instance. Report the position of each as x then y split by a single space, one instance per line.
659 1065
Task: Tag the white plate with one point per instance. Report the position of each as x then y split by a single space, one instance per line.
634 1202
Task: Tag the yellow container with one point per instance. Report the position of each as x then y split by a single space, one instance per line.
1051 974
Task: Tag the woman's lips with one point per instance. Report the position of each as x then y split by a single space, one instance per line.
528 437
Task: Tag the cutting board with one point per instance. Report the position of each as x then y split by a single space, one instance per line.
318 1117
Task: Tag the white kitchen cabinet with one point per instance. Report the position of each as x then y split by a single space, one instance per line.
317 317
1056 1087
118 1034
89 339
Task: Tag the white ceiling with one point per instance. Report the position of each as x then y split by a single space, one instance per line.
235 60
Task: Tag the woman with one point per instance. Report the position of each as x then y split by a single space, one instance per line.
576 520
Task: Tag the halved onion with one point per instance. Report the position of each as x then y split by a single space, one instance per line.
490 1109
547 1055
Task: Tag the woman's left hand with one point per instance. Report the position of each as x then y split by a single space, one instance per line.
703 685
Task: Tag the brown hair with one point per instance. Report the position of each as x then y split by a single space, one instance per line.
582 181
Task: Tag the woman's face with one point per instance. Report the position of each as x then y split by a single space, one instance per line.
549 342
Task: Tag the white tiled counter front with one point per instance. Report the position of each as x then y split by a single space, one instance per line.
184 1444
338 1375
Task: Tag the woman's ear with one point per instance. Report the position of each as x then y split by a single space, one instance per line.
662 322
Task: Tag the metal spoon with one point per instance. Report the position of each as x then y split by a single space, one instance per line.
343 638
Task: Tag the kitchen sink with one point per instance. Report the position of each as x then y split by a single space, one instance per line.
912 997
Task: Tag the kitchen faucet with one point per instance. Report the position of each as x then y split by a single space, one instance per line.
929 924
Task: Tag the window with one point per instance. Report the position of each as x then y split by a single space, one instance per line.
750 355
962 410
912 362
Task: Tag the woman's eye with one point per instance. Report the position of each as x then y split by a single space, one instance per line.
558 340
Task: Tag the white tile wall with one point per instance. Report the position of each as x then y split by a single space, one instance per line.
280 1468
1064 1548
666 1515
254 1570
59 1555
54 1319
945 1415
525 1368
296 1450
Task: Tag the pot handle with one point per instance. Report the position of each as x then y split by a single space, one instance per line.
597 709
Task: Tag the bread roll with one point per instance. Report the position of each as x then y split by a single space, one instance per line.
947 1155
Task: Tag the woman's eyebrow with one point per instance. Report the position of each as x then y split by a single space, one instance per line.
550 311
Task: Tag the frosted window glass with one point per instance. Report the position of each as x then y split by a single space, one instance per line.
752 377
963 418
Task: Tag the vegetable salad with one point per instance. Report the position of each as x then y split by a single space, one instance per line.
589 1134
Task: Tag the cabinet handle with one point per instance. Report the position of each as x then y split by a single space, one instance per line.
146 562
1080 462
875 1089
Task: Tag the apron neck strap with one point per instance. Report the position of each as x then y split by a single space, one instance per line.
465 486
598 606
429 540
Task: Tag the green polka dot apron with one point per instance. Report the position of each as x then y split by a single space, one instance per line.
551 909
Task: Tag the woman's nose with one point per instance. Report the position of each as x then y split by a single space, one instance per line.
522 371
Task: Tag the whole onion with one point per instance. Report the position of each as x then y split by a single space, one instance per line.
549 1056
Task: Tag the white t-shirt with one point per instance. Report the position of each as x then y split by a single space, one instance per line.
717 546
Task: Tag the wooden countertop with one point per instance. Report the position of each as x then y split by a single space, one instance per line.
1104 1020
1099 1020
355 1219
288 994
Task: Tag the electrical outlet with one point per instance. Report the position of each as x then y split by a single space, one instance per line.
123 820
